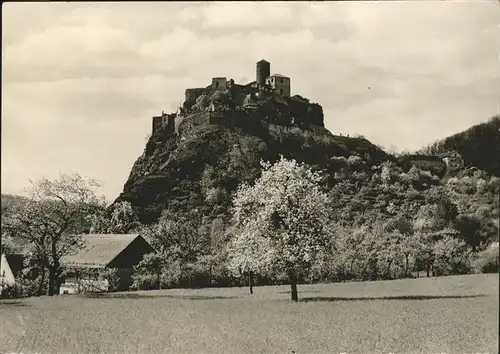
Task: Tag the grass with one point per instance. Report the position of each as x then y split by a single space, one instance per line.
440 315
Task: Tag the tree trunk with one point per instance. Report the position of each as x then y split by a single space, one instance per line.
250 282
58 279
293 285
54 270
42 282
406 265
388 271
52 282
295 295
55 273
427 268
158 280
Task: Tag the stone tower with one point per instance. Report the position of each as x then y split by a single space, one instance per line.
263 71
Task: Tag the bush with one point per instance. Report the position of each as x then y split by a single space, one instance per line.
10 292
142 281
23 288
355 160
452 256
207 271
118 279
331 269
146 281
146 278
487 261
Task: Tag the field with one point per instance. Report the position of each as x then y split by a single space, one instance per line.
440 315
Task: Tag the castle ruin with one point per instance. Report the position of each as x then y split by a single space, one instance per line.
277 84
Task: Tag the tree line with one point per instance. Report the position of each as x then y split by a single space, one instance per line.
291 225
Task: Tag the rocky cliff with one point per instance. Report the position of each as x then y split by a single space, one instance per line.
211 154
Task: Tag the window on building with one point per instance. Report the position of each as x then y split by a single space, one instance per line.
281 80
216 84
281 91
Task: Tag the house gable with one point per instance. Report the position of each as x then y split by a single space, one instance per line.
132 254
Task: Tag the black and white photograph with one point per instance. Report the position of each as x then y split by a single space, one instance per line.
250 177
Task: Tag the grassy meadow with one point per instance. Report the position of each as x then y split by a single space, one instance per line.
456 314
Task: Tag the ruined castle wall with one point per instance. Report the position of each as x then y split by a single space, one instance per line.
240 119
221 118
219 83
171 122
177 122
165 121
192 94
315 115
239 92
157 123
304 112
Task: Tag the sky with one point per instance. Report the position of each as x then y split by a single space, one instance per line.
81 81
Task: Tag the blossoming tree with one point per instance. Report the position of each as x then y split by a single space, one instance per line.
52 220
281 223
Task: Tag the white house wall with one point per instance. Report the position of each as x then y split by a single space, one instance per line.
6 276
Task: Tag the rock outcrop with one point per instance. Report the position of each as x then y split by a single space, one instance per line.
213 151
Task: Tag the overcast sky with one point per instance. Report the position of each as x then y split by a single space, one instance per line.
80 81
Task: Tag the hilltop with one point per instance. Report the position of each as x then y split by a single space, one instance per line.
197 156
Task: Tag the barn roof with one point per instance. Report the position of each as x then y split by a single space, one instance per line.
99 250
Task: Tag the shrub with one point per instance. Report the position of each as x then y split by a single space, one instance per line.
9 292
23 288
141 281
487 261
452 256
118 279
144 278
355 160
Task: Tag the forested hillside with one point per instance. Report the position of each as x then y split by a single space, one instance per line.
479 146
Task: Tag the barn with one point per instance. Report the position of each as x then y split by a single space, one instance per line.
113 255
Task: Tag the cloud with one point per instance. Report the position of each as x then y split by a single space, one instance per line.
219 19
69 51
246 14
